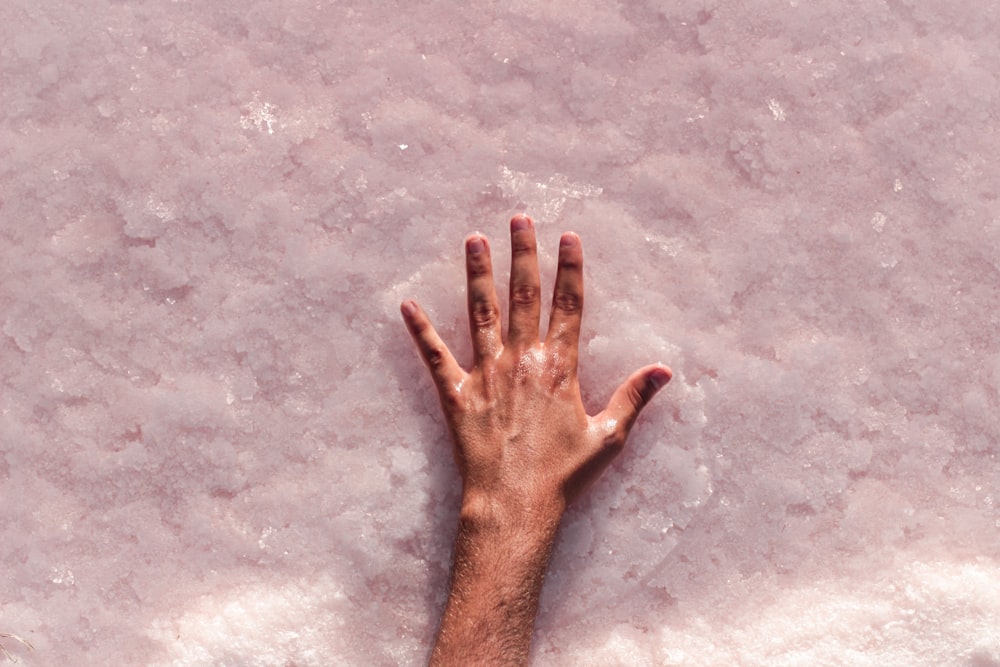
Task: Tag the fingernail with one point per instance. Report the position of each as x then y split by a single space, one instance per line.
520 222
568 240
659 377
409 308
476 245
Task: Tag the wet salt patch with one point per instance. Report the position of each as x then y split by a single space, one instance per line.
549 197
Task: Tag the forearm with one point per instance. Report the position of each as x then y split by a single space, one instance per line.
496 582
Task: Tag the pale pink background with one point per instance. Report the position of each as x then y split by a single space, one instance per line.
217 446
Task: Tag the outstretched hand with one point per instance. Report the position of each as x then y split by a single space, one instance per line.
524 444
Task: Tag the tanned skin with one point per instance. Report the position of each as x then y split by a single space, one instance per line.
524 445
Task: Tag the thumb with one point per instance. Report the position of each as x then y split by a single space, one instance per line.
634 393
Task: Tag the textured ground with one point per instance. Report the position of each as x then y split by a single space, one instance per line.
217 446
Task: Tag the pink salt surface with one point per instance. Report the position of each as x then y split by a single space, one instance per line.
217 446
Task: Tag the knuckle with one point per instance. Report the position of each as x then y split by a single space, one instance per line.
570 262
419 327
435 356
614 440
620 430
451 401
519 248
568 302
478 269
559 371
635 396
614 443
484 314
524 295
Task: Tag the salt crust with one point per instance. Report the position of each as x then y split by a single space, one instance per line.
218 448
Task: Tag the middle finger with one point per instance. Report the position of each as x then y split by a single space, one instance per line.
525 304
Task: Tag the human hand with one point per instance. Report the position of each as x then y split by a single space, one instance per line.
524 444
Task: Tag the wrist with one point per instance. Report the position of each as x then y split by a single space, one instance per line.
501 553
510 516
